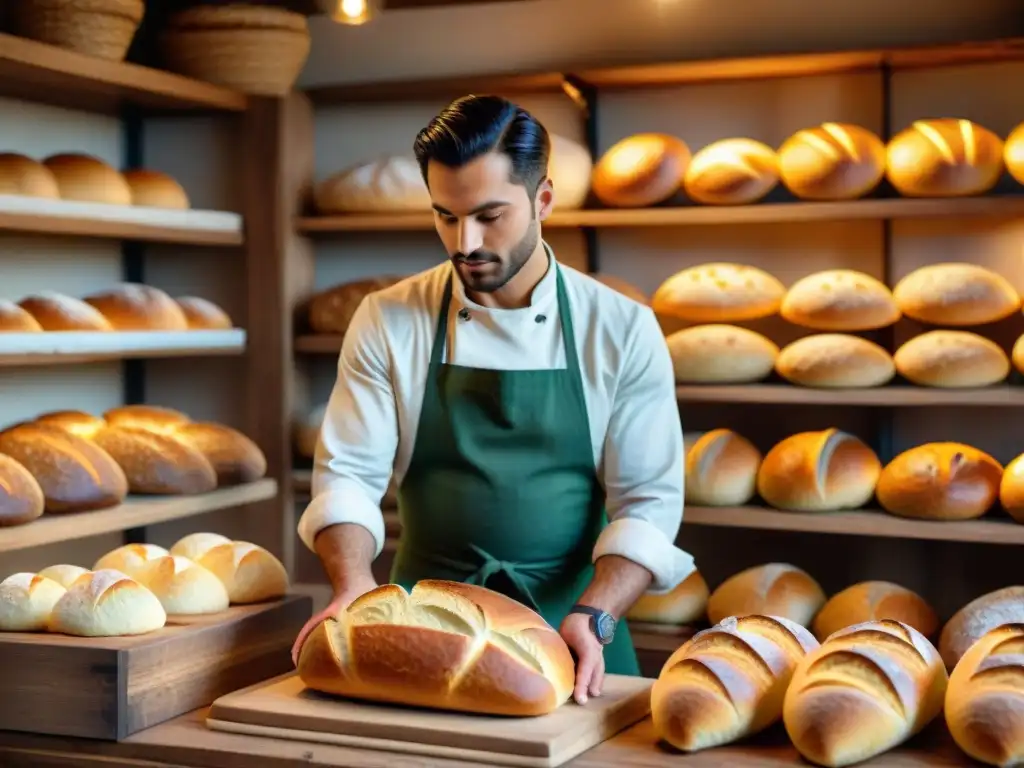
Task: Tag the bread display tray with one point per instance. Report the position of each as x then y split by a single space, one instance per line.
112 687
285 709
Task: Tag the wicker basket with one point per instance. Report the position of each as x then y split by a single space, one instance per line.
254 49
100 28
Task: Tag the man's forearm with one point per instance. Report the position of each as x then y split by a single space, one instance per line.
617 584
346 551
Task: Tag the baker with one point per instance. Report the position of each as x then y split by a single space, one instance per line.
527 411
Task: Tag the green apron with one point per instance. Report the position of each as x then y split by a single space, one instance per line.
501 490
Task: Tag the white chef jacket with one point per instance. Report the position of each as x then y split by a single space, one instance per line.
369 429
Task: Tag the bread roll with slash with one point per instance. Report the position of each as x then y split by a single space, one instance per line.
107 603
23 176
249 572
839 300
26 602
720 354
727 682
956 294
865 690
832 161
721 470
835 361
444 645
974 620
203 315
21 498
773 589
130 559
686 603
641 170
64 574
874 601
944 157
823 471
57 312
183 587
952 359
194 545
719 292
732 172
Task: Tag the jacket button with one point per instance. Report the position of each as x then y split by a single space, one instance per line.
540 318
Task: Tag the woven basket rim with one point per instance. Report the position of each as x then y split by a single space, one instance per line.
134 10
238 16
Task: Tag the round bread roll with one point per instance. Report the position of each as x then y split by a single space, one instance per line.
388 184
835 360
155 189
834 161
839 300
1011 489
26 602
88 179
732 172
75 474
721 470
307 431
952 359
955 293
184 587
250 573
235 458
824 471
21 175
57 312
570 167
720 354
685 604
641 170
203 315
331 311
107 604
719 292
130 559
944 158
64 574
135 307
194 545
21 498
16 319
1017 354
940 481
157 463
773 589
874 601
154 418
977 618
618 284
1013 154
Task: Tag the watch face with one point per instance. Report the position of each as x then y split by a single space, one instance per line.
606 628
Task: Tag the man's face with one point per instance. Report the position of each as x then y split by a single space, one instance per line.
485 220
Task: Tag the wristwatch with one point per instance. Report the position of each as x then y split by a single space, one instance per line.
602 623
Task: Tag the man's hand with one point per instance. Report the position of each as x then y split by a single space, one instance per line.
340 602
589 652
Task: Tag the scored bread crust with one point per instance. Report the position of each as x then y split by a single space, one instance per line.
184 587
21 497
107 603
978 617
444 645
945 157
832 161
686 603
137 307
773 589
721 469
26 602
873 601
63 574
249 572
732 172
57 312
129 559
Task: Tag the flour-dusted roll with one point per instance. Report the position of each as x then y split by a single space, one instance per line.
874 601
952 359
835 360
940 481
26 602
21 498
720 354
727 682
21 175
234 457
88 179
732 172
1013 153
944 158
107 604
249 572
130 559
956 294
721 469
773 589
641 170
57 312
154 418
570 168
984 706
183 587
64 574
203 315
386 184
195 545
622 286
819 471
686 603
17 319
839 300
445 645
832 161
331 310
137 307
156 189
974 620
1011 489
719 292
865 690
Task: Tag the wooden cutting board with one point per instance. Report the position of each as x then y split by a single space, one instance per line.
284 708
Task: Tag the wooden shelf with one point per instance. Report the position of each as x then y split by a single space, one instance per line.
46 74
895 396
134 513
19 349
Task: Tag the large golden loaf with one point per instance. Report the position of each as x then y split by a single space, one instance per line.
944 158
833 161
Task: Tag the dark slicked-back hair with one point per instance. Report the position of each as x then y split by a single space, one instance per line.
475 125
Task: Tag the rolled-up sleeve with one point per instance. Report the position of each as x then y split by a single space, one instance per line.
643 468
355 454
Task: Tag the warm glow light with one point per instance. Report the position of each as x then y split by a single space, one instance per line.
350 11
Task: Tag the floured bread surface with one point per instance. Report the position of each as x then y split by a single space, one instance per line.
107 603
194 545
184 587
249 572
720 354
26 601
445 645
719 292
840 300
956 294
129 559
64 574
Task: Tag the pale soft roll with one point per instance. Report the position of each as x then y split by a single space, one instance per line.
732 172
822 471
833 161
250 573
981 615
138 307
57 312
940 481
88 179
874 601
727 682
194 545
130 559
721 469
773 589
952 359
835 360
686 603
570 167
839 300
26 601
183 587
17 319
865 690
156 189
720 354
944 158
387 184
446 646
21 498
1013 153
956 293
641 170
719 292
107 604
1011 489
64 574
21 175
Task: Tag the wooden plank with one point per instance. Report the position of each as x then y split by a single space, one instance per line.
885 397
73 347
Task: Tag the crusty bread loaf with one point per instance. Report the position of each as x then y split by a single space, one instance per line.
721 469
732 172
26 602
720 354
130 559
984 706
622 286
952 359
1017 354
88 179
773 589
137 307
641 170
75 474
57 312
203 315
194 545
821 471
105 604
686 603
64 574
155 418
21 498
940 481
944 158
874 601
727 682
21 175
249 572
835 360
331 310
719 292
1013 153
832 161
978 617
183 587
17 319
839 300
387 184
956 294
445 645
866 689
570 168
1011 489
234 457
155 189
